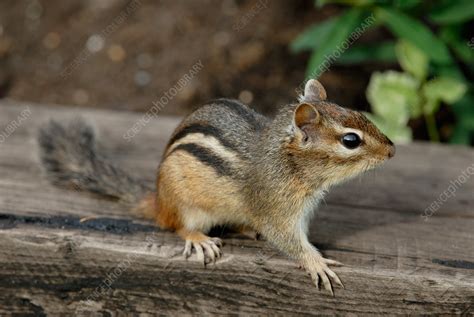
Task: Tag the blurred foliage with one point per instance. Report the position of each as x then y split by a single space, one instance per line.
397 97
431 45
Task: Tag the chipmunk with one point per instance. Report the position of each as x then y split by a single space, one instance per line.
225 164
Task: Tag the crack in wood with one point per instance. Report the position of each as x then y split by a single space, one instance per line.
455 263
110 225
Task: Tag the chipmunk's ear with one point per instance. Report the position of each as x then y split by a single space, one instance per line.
306 114
313 91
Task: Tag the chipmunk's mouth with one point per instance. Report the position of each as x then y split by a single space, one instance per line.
383 158
374 163
391 151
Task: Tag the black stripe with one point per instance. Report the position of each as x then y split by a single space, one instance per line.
204 129
241 110
206 156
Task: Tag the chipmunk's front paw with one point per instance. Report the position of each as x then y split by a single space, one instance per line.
317 267
207 250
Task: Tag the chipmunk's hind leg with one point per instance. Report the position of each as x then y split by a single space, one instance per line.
193 198
249 232
207 249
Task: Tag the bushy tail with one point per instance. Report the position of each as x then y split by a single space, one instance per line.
71 159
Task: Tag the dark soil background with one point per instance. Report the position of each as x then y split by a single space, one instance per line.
243 46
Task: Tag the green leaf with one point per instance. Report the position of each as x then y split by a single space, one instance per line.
406 4
332 45
394 96
453 12
399 134
380 52
464 108
451 34
451 71
352 3
312 37
445 89
463 51
416 32
461 135
412 59
464 111
431 106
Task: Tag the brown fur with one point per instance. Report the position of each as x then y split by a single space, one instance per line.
166 212
147 206
185 184
276 174
194 236
228 165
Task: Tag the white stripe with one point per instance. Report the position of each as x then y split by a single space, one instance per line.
208 142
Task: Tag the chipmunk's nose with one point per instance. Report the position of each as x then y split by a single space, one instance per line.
391 151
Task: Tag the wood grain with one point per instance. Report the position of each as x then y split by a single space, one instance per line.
51 263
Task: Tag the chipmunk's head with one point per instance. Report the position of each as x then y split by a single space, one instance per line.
339 141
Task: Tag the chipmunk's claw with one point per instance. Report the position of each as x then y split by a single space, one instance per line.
207 251
317 267
188 248
332 262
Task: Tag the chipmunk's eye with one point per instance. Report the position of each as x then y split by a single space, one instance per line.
351 140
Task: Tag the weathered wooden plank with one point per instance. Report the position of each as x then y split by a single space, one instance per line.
57 270
396 261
